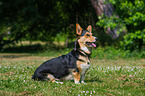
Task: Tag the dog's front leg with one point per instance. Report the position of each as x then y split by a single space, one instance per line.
83 73
82 78
76 76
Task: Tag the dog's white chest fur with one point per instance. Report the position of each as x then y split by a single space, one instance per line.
85 48
84 68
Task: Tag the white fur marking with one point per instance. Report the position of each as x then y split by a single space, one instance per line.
84 67
68 77
77 82
85 49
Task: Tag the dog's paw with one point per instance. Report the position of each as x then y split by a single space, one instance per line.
58 82
83 82
77 82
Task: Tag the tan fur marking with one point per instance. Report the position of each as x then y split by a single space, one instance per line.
77 76
89 28
51 77
79 65
82 41
90 39
83 58
78 29
83 45
83 67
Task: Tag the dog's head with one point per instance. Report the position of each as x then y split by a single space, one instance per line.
85 39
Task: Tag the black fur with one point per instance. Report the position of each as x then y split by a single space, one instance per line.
58 67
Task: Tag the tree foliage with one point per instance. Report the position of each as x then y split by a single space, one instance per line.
131 19
44 19
39 19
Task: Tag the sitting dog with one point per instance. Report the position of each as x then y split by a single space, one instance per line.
73 65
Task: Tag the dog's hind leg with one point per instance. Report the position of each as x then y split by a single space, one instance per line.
52 78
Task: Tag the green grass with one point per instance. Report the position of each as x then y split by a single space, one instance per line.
117 76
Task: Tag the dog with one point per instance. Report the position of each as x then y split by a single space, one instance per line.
72 66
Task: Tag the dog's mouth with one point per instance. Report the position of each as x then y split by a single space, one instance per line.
91 44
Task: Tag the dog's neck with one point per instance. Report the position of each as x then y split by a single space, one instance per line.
85 51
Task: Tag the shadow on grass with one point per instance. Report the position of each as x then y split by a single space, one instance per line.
29 50
24 49
21 51
94 80
35 48
12 56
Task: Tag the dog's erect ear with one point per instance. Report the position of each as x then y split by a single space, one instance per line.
89 28
78 29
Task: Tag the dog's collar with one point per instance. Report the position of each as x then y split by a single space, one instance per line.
83 52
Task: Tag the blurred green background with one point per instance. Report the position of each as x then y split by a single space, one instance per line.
117 23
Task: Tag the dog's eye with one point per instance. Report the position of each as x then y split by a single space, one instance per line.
88 35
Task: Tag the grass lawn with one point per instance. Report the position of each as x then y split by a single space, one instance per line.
105 77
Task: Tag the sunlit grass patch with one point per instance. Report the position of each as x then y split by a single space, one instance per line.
105 77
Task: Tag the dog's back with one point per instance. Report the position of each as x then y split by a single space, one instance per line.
58 67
